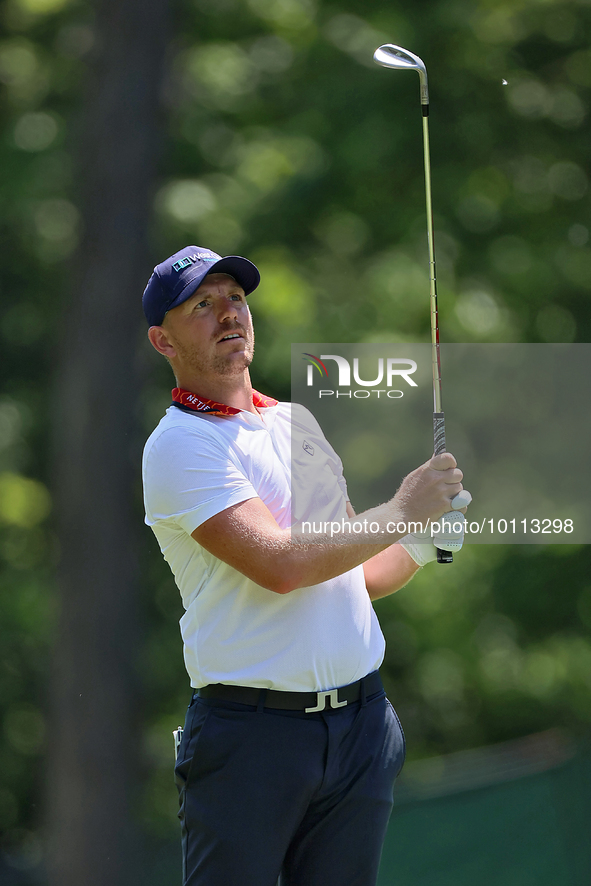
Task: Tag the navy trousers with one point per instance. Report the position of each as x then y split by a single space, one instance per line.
265 792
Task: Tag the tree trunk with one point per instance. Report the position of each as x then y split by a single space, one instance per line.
94 740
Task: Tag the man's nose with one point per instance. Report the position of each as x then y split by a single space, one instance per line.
227 309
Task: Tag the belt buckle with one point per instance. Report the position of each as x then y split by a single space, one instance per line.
321 697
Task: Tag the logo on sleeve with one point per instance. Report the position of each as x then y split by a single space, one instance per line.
308 448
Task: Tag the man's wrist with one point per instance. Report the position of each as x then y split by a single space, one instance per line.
421 550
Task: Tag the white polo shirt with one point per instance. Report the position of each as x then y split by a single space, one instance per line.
234 631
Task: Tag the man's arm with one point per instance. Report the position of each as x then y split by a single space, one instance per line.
247 536
389 571
386 572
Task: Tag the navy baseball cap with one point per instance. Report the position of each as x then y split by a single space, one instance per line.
177 278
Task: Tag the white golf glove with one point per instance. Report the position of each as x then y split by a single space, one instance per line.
422 546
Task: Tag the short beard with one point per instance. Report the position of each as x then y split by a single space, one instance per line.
218 365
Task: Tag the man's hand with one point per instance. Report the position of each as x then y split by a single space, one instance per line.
447 533
426 493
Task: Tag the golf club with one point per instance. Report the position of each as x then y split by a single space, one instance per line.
391 56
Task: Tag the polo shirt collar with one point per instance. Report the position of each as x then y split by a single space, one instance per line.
191 402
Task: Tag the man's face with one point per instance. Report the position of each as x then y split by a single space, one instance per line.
212 331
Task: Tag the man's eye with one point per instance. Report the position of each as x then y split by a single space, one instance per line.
201 304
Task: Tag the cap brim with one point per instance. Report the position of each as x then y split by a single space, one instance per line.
241 269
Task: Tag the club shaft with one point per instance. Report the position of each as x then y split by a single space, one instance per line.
435 354
439 444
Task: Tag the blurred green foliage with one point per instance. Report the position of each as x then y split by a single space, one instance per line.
283 141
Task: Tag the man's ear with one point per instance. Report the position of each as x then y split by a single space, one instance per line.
160 341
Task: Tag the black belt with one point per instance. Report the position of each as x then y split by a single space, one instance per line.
309 702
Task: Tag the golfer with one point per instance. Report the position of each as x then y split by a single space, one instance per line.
290 747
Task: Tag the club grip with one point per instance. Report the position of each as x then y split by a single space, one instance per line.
438 448
438 433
